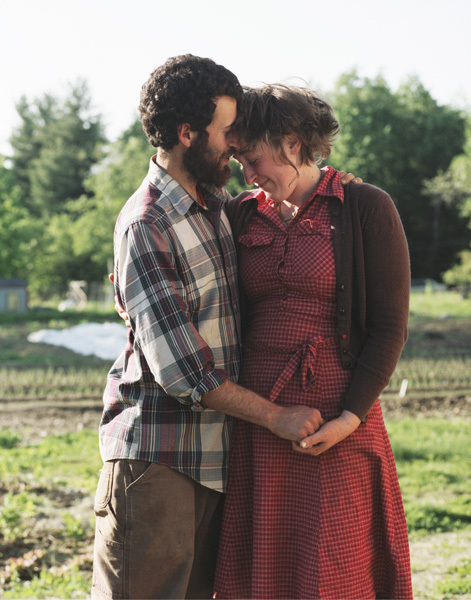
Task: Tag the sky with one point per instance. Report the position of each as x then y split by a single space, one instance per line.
114 45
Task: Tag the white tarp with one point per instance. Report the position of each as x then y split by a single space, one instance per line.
105 340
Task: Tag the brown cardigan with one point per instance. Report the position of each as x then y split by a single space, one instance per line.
373 284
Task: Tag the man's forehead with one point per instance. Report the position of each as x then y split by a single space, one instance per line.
226 111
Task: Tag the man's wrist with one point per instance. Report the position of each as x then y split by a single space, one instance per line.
273 417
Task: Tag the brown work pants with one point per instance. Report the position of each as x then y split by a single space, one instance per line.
157 533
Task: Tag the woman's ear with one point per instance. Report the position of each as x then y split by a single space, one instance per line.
292 145
185 134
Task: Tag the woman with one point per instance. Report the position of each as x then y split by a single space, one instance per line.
325 274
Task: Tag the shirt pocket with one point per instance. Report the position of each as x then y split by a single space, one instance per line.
308 227
258 263
314 251
249 240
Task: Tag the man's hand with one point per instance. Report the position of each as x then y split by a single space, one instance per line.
123 314
349 178
329 434
295 422
292 423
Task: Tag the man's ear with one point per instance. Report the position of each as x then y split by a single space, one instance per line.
185 134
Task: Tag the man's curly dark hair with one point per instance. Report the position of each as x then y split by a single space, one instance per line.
183 90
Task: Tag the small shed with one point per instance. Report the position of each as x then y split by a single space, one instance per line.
13 295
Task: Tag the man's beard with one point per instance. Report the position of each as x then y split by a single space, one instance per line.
204 164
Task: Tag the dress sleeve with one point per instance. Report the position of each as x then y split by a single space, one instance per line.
151 291
387 288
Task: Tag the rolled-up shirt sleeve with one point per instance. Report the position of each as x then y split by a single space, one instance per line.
157 301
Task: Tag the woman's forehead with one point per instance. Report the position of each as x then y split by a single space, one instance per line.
245 148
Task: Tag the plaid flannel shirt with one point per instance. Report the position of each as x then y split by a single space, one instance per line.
176 277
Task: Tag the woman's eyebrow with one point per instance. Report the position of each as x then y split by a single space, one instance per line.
244 151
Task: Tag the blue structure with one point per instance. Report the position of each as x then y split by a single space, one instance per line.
13 295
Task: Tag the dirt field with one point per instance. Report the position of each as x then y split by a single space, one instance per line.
36 420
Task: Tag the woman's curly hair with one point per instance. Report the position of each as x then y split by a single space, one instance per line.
271 112
183 90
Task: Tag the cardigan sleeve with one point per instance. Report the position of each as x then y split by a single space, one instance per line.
384 253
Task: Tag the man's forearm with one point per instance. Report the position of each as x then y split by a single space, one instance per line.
286 422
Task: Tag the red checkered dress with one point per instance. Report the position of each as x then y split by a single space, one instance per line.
296 526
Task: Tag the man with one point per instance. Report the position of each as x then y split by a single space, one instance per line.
171 394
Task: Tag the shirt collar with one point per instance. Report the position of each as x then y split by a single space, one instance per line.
176 194
330 184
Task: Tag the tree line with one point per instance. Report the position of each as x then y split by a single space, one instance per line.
65 183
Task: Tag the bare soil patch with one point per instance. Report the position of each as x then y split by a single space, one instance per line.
36 420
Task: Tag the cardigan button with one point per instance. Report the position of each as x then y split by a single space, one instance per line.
342 311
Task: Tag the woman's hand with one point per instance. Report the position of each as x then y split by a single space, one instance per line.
117 306
329 434
349 178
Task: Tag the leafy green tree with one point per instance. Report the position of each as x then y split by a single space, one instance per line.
18 233
55 148
109 187
236 183
452 190
459 275
26 140
395 141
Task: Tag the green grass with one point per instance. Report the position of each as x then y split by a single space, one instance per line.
457 582
431 304
71 461
433 374
433 458
34 383
68 317
51 583
42 488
